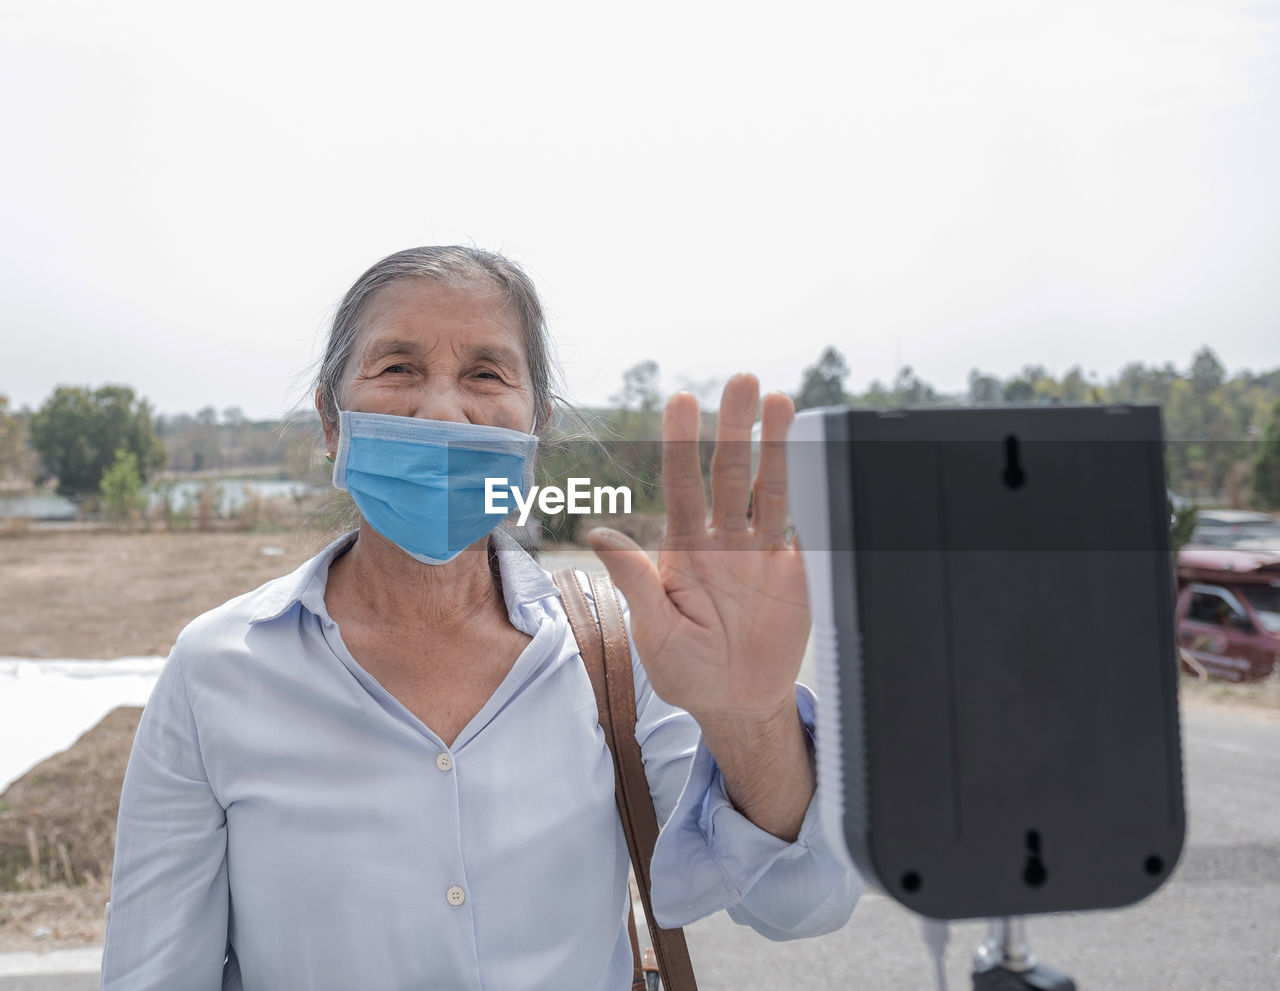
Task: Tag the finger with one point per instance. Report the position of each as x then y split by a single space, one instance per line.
770 516
731 464
681 470
633 572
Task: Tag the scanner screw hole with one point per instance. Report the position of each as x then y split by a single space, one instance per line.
911 881
1153 865
1014 477
1034 873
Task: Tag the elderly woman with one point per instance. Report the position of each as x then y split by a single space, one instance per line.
385 769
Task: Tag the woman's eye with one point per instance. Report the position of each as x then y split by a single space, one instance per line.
396 369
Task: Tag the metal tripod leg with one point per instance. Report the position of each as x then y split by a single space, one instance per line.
1005 963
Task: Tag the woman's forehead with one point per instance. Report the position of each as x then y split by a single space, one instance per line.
420 314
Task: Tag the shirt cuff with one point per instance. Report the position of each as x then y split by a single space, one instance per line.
709 855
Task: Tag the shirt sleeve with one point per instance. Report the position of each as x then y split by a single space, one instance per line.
167 919
709 856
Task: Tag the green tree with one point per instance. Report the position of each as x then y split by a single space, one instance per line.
984 389
877 396
639 388
76 434
1029 385
911 390
120 491
1182 522
1207 373
1075 387
639 401
1206 434
14 457
823 382
1138 384
1265 479
1019 390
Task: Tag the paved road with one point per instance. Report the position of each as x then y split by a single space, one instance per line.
1215 925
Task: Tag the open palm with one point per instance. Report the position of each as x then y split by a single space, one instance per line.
720 622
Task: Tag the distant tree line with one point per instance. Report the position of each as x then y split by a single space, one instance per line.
209 440
1223 432
99 447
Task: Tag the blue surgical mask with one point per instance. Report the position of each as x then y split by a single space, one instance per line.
422 483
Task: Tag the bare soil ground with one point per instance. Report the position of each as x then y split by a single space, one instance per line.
57 840
1256 700
103 594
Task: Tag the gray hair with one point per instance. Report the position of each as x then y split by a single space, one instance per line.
453 265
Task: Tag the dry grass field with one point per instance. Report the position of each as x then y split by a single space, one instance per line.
102 593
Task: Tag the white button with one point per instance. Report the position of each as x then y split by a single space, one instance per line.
444 762
456 896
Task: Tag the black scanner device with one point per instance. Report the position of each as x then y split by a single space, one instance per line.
992 598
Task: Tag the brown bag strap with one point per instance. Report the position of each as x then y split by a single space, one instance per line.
602 642
637 972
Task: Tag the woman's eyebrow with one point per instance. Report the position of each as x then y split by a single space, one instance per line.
496 353
382 349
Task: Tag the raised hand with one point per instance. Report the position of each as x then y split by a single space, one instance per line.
720 622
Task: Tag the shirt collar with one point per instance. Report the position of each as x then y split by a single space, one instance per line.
525 585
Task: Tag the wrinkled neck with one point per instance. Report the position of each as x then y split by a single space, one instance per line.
385 583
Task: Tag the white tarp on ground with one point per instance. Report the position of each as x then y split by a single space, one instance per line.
86 960
46 705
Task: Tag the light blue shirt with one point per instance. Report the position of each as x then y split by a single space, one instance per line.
287 823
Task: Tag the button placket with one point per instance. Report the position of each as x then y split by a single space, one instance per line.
455 894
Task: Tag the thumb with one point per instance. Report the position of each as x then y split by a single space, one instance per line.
631 570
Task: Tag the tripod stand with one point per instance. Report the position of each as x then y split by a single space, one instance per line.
1004 963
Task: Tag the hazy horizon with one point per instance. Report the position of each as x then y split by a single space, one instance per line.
719 188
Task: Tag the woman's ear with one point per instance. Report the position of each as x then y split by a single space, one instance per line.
330 428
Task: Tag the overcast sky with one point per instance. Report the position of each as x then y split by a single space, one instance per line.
186 190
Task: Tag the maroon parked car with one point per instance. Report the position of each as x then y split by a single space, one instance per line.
1228 612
